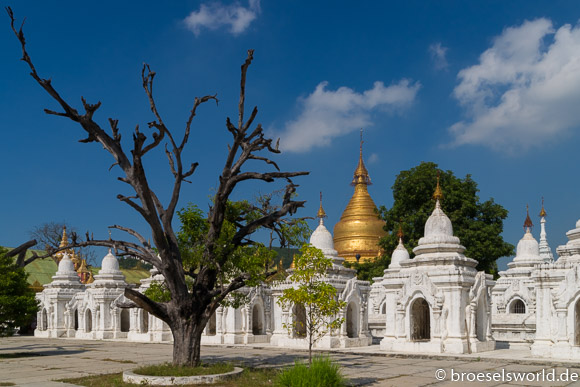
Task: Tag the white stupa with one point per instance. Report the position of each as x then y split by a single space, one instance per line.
437 301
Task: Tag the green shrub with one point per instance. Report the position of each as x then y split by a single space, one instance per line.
321 373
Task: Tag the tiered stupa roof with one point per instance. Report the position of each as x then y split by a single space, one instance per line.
359 230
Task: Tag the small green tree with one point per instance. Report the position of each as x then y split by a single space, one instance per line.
318 298
17 302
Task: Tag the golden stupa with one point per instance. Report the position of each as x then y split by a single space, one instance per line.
359 229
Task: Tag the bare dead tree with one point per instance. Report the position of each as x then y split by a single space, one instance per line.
189 309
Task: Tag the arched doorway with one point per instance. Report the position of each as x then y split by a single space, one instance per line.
351 320
257 320
211 325
88 321
299 320
125 320
577 323
420 320
44 319
144 321
518 307
76 318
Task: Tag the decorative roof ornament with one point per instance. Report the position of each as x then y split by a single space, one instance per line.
361 175
400 232
64 240
528 222
64 243
438 194
543 211
321 214
545 250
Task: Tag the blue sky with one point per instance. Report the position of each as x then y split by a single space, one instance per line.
490 89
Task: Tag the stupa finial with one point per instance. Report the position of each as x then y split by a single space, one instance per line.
321 214
400 232
64 241
543 211
528 222
361 175
438 194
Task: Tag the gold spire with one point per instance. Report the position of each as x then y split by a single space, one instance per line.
438 194
361 175
64 241
321 214
542 211
528 222
400 232
360 228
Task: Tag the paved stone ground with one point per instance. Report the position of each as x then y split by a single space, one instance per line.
65 358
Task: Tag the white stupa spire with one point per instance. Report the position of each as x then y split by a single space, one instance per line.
545 250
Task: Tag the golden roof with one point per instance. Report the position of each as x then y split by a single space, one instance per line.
83 267
37 287
359 230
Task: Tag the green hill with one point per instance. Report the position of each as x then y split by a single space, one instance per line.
42 270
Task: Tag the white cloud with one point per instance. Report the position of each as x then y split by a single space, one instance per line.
326 114
438 53
373 158
216 15
525 91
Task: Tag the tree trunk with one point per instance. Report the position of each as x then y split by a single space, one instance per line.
187 343
310 334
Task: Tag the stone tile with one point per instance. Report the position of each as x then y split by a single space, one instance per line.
404 381
475 366
444 363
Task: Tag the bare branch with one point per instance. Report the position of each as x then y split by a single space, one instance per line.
264 159
128 200
52 112
20 252
131 232
155 308
245 66
268 177
196 102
